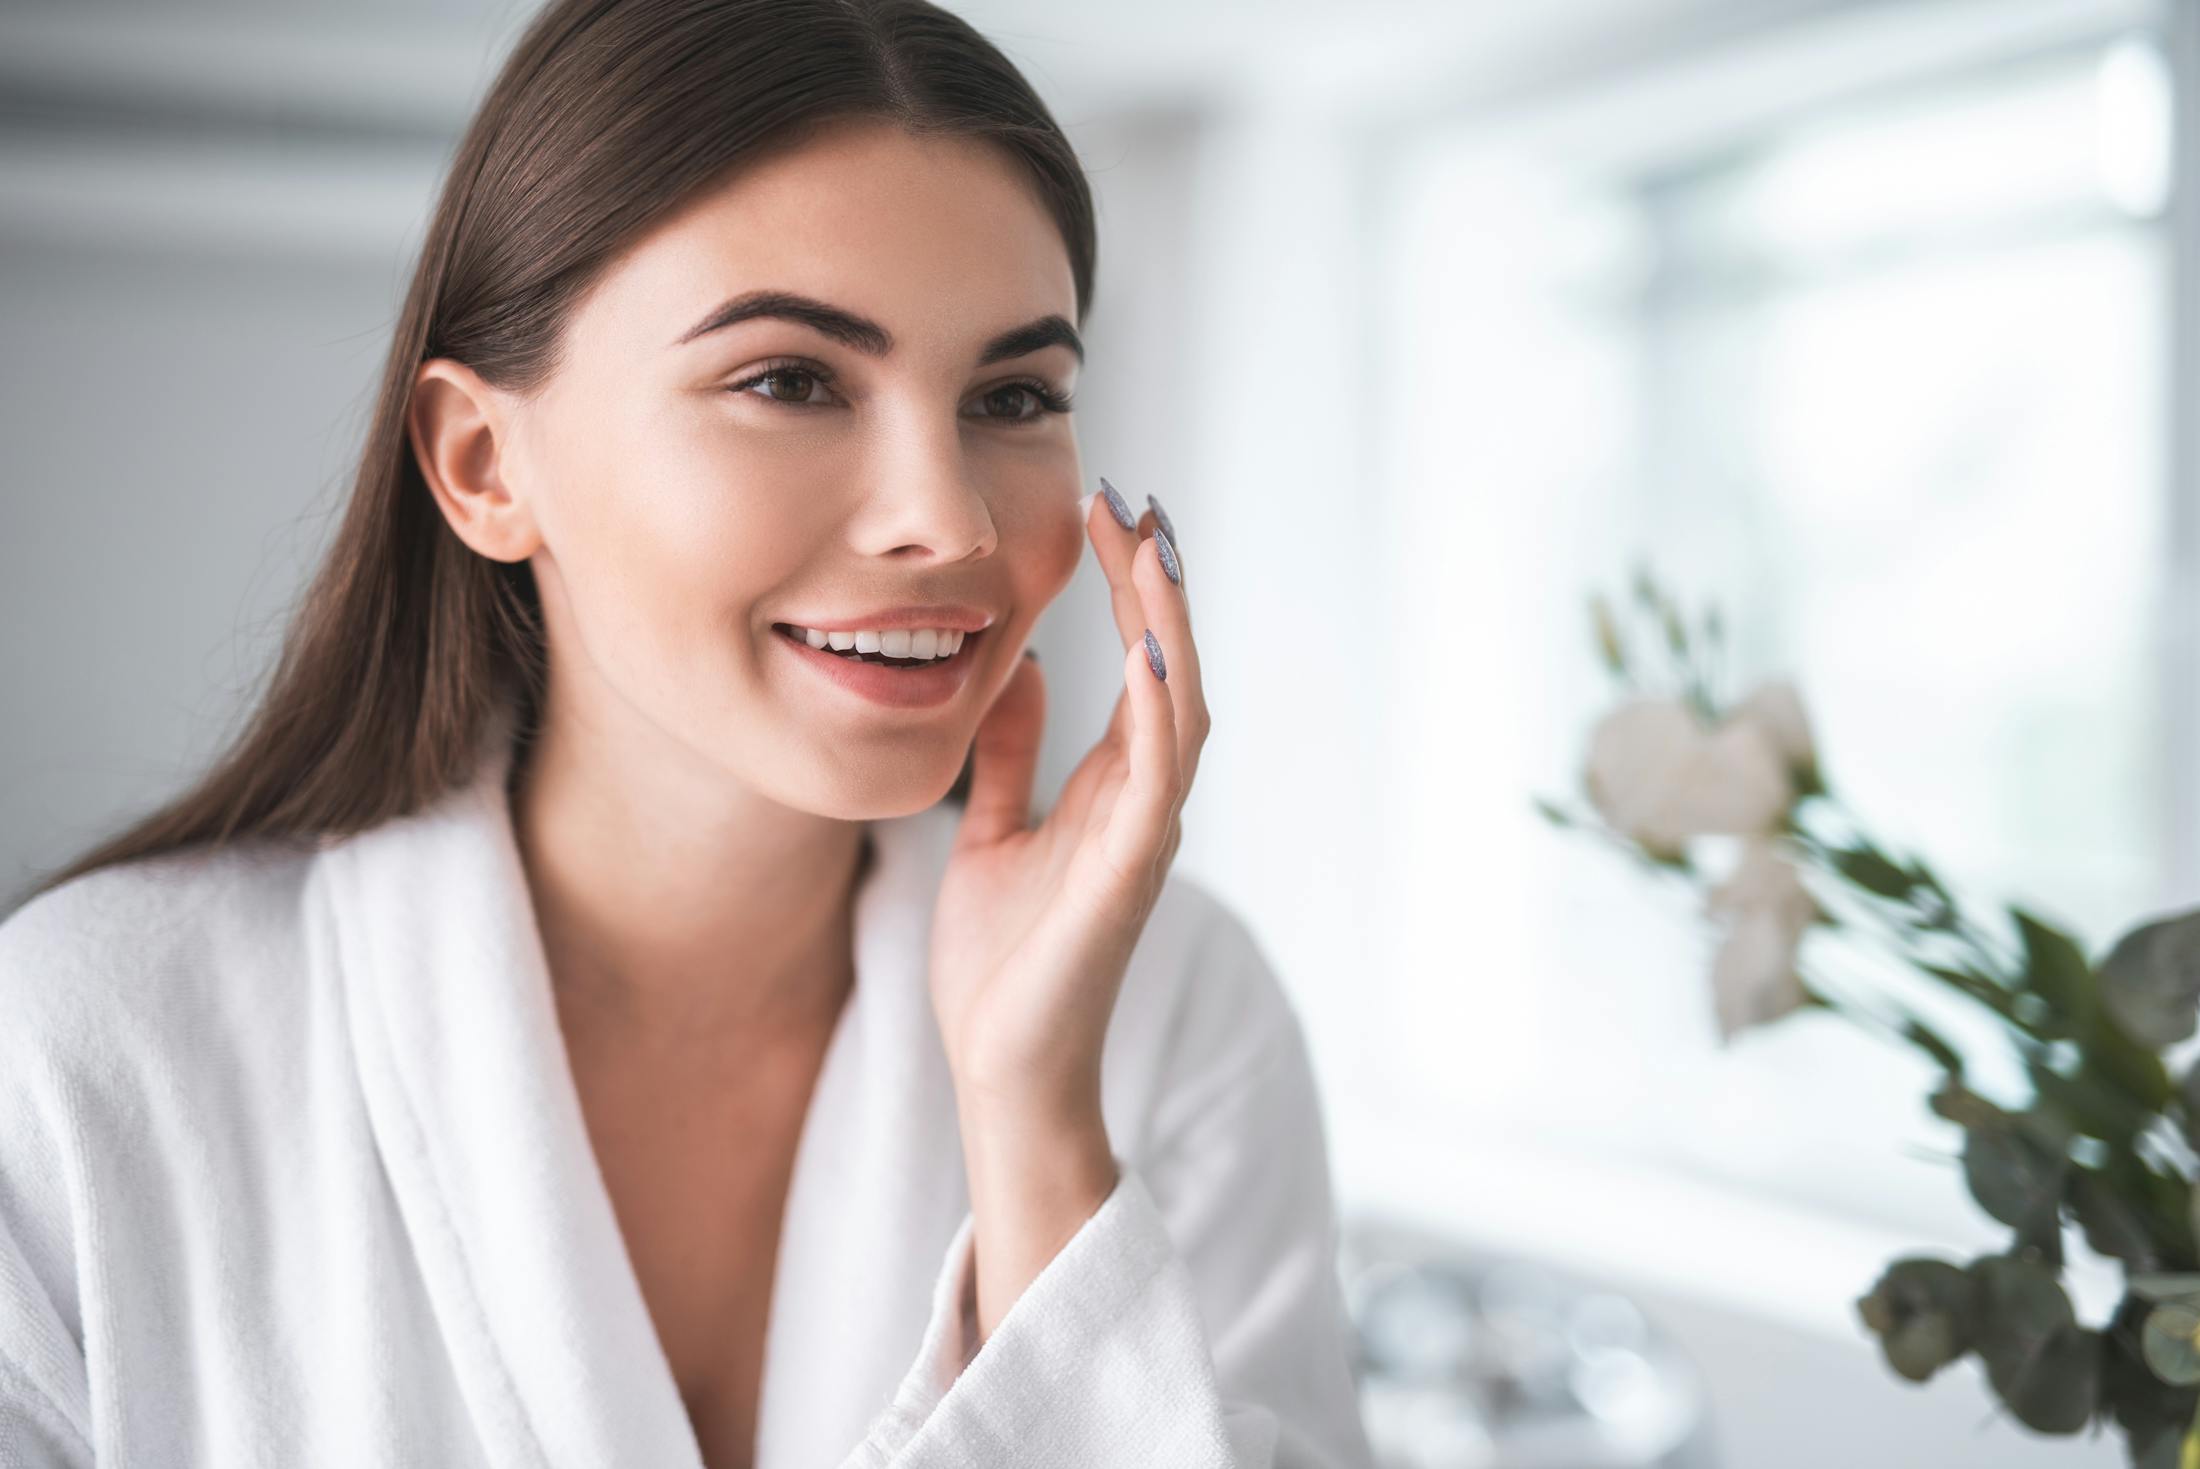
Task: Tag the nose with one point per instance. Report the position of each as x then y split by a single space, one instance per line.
927 507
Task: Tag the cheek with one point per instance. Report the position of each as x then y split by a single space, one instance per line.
1045 544
659 546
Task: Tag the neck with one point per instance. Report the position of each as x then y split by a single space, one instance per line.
675 907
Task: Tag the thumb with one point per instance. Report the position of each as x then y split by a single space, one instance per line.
1006 759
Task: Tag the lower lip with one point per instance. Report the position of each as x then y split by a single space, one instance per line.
897 688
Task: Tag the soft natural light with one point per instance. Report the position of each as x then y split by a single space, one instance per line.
2135 126
1885 381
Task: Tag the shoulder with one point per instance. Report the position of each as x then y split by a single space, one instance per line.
129 951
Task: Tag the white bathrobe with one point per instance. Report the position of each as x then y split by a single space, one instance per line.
293 1172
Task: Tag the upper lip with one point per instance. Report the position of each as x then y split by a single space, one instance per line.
956 615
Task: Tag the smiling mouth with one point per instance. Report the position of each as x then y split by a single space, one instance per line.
788 632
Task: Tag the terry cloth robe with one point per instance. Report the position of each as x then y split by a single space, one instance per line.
293 1172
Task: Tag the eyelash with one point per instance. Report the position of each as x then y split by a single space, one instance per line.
1049 401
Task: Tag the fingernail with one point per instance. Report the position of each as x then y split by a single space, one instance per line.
1117 505
1161 517
1032 654
1168 555
1153 657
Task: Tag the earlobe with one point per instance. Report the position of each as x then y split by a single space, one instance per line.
460 431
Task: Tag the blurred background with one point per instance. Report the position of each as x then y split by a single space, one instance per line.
1425 318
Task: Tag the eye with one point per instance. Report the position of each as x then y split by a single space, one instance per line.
1045 398
779 372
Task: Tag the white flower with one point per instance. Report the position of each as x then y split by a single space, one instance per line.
1658 775
1753 978
1776 708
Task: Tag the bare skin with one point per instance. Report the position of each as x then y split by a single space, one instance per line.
690 815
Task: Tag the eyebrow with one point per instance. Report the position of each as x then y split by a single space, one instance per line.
866 335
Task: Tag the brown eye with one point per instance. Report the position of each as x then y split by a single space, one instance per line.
1043 398
788 375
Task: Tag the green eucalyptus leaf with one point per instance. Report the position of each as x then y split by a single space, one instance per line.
2160 1448
2150 980
2115 1019
2044 1365
2014 1175
2039 1235
2055 968
2018 1300
2170 1341
2055 1386
1936 904
2150 1412
2115 1058
1977 986
1921 1309
2090 1103
2113 1226
2188 1092
1873 871
2163 1285
1933 1044
1959 1104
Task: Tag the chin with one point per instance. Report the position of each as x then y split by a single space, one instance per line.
880 797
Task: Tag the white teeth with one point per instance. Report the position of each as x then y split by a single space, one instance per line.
900 642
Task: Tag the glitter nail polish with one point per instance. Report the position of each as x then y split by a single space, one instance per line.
1153 657
1168 556
1161 518
1117 505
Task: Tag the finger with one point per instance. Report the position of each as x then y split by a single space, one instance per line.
1148 523
1139 822
1006 760
1118 721
1168 613
1113 546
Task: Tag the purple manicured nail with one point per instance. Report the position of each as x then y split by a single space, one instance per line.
1117 505
1161 518
1153 658
1168 555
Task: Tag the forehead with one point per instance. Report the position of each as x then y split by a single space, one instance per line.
944 239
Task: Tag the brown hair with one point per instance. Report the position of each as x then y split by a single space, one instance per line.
607 116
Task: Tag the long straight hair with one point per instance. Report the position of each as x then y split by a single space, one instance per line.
606 117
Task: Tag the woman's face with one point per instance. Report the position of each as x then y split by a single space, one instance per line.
698 488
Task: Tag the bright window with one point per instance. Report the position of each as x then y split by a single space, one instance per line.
1885 375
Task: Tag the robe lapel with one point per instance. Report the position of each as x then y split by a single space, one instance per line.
878 1188
471 1096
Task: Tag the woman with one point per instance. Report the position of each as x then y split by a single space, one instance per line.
570 1028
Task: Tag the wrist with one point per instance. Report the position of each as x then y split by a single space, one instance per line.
1059 1102
1035 1180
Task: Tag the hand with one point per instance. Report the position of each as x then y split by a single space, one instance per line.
1035 925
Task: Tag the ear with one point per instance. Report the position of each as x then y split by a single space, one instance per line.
461 431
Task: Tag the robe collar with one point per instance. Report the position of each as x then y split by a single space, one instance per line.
473 1105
